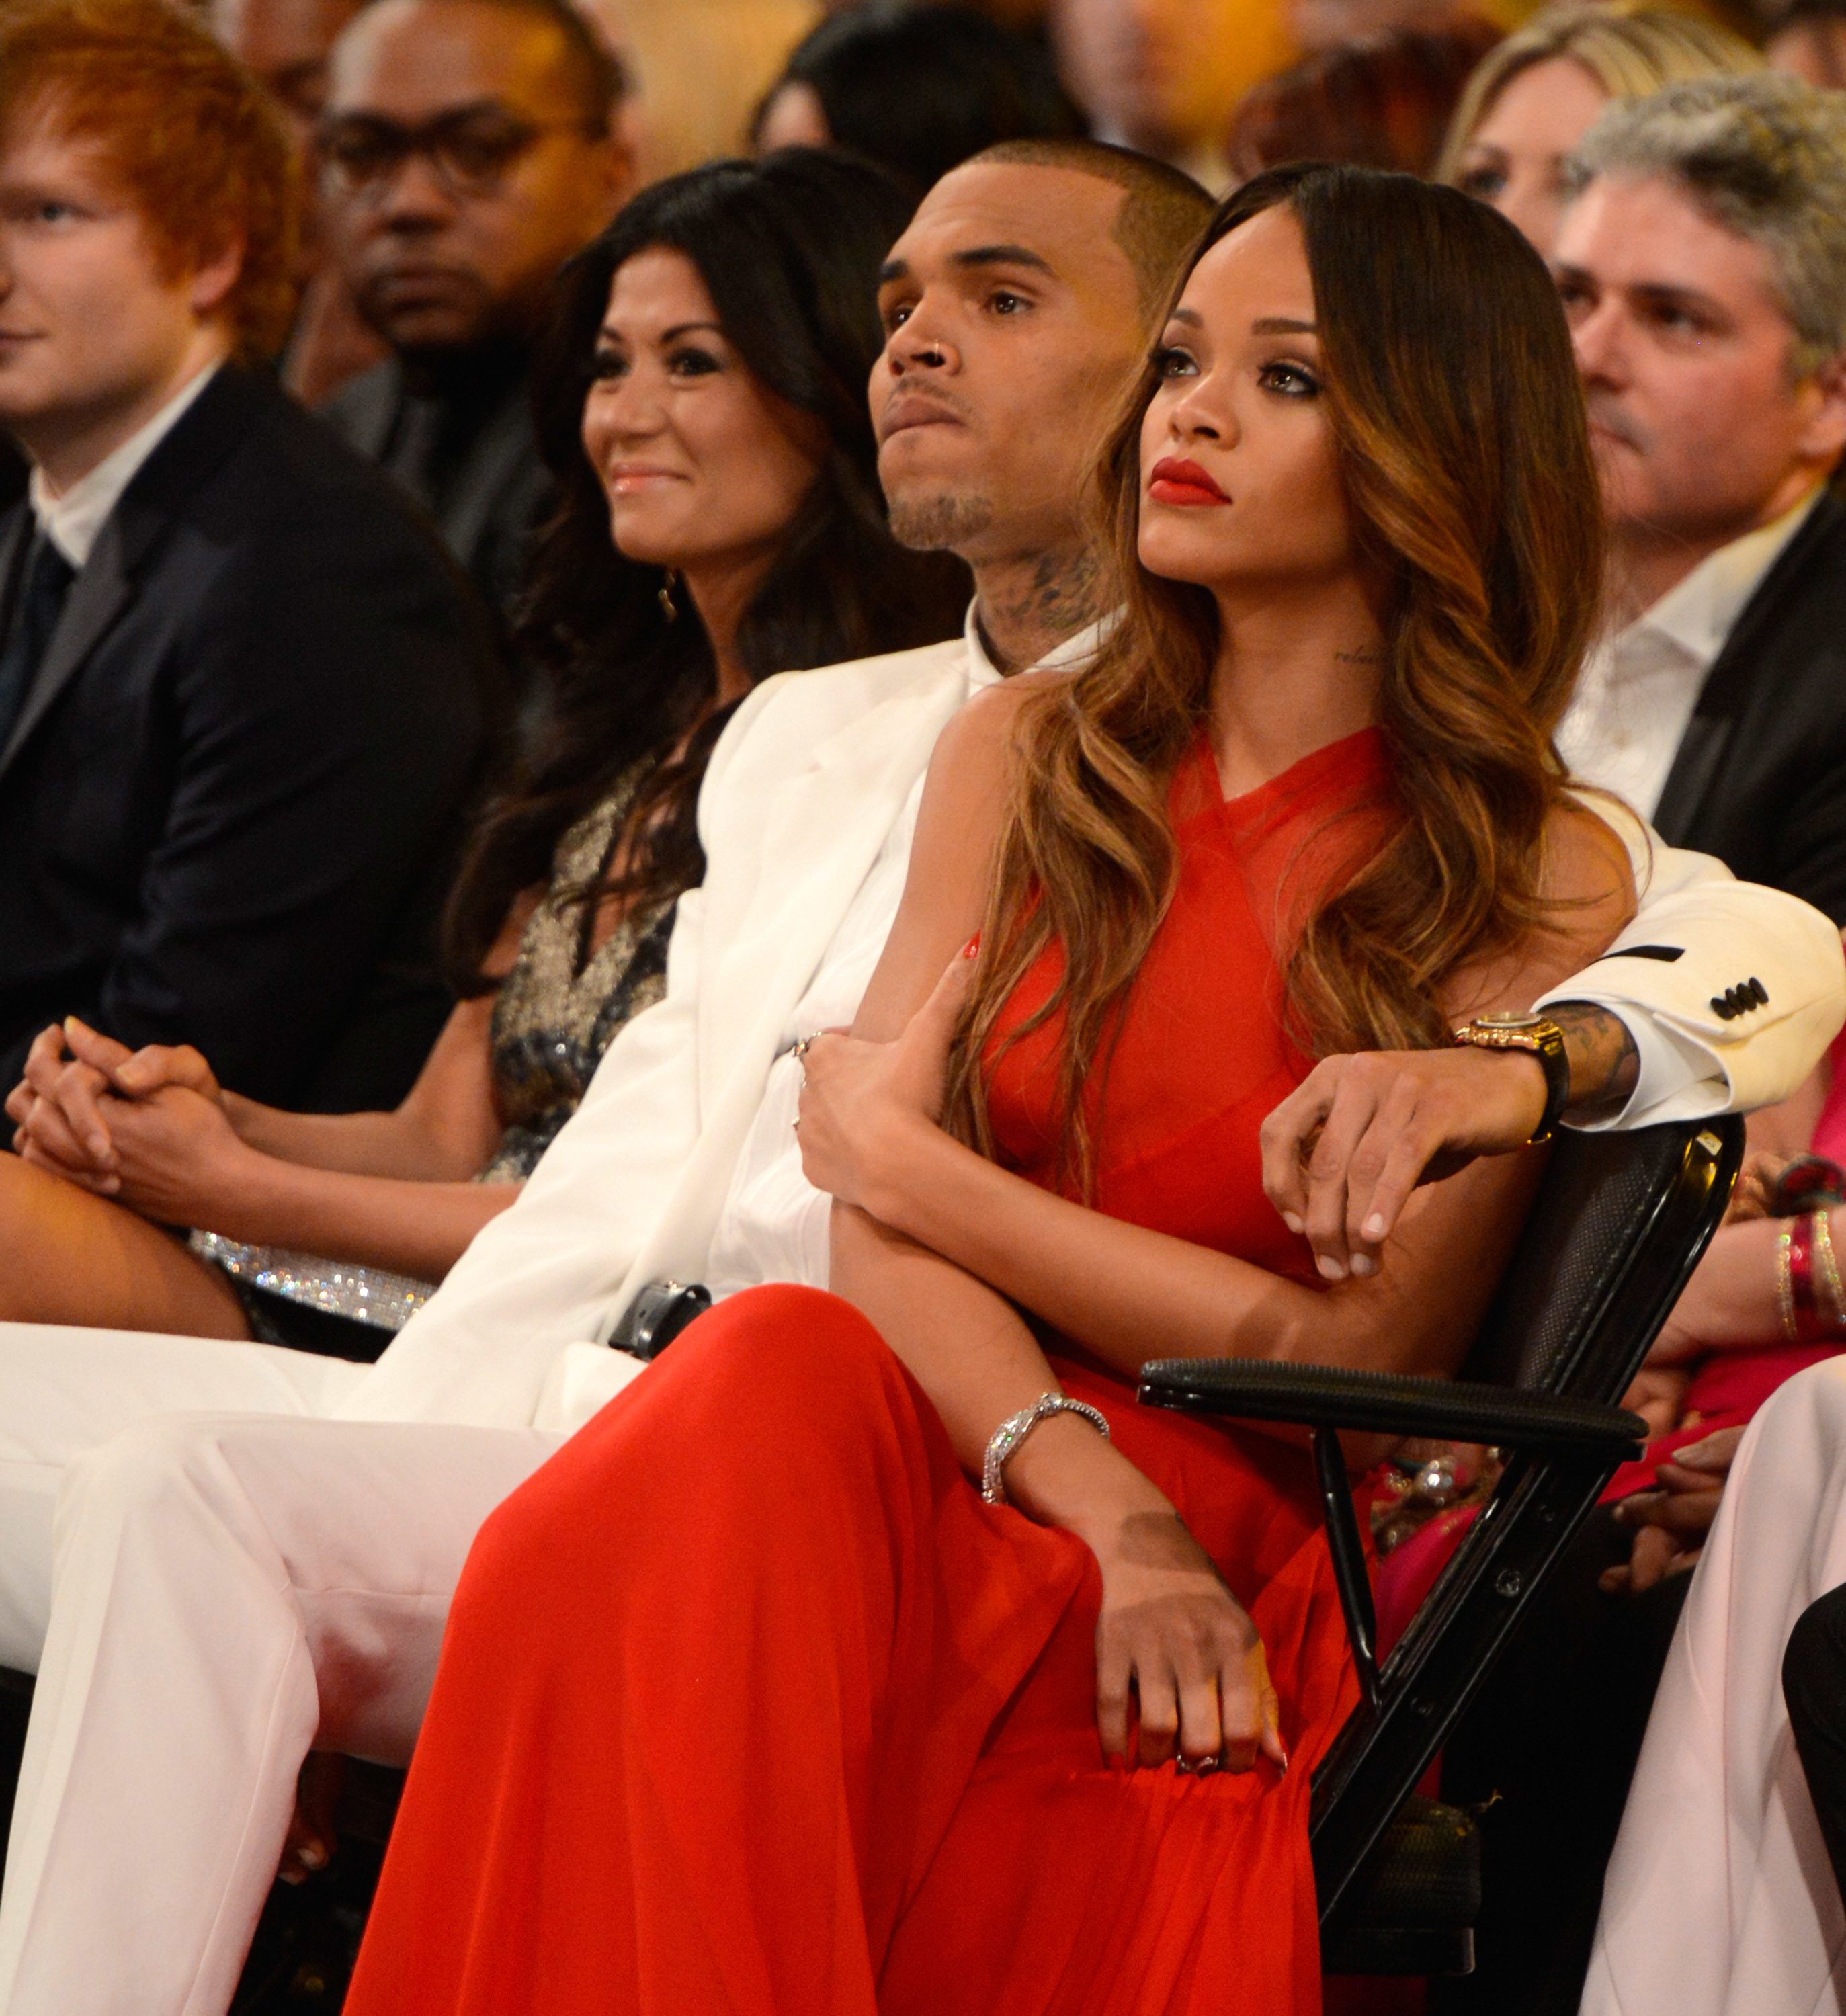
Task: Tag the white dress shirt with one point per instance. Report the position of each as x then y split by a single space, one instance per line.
774 1224
74 521
1638 688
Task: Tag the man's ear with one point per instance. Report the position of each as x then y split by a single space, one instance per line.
1823 437
616 157
211 284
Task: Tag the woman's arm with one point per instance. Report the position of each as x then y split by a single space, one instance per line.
445 1128
415 1228
1126 1293
1730 1303
1169 1629
177 1162
1170 1640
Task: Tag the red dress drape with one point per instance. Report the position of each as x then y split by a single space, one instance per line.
748 1704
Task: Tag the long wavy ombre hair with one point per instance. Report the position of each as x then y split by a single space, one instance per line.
1452 396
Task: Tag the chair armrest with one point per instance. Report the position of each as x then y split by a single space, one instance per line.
1328 1396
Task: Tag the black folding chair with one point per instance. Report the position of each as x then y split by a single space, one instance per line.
1618 1227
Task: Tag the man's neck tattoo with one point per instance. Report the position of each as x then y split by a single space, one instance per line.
1037 604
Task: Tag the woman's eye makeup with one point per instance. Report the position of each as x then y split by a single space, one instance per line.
1170 360
684 360
1483 181
1289 380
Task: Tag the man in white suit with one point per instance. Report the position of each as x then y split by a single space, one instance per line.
230 1589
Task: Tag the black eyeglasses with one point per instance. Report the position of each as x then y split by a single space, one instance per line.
472 150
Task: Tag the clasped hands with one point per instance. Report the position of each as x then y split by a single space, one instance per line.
147 1127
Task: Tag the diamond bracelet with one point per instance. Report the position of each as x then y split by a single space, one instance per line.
1006 1439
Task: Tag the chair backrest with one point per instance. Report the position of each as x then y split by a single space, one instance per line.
1618 1227
1620 1222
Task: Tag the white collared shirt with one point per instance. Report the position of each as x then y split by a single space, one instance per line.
774 1223
1638 688
74 521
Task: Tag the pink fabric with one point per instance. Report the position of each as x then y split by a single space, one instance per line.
1830 1129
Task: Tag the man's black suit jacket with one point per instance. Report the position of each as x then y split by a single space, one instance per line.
229 803
488 489
1759 779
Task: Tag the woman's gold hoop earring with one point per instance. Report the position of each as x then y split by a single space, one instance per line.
669 608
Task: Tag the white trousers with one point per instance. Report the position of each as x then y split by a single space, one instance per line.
1719 1899
225 1590
64 1390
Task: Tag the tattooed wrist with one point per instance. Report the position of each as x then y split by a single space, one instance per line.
1605 1065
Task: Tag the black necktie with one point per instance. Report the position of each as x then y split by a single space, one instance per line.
45 583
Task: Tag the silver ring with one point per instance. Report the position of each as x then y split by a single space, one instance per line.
1200 1767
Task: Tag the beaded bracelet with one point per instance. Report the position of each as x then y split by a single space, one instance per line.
1807 1317
1785 1280
1822 1242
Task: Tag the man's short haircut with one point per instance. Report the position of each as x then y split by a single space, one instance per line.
1163 211
595 75
1763 156
191 138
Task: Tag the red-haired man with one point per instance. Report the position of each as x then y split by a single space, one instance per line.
240 689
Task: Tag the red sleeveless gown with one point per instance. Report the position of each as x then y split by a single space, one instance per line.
748 1704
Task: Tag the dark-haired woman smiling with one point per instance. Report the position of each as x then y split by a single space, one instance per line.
750 1701
703 404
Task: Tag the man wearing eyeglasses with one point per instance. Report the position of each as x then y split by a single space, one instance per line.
468 149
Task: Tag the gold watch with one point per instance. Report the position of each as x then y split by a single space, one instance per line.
1537 1038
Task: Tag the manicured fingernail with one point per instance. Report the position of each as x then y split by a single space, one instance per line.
1283 1747
972 947
1363 1263
1373 1227
1330 1269
1294 1223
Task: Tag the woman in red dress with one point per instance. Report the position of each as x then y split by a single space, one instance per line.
751 1702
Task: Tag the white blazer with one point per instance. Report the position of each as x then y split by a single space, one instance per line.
801 793
802 790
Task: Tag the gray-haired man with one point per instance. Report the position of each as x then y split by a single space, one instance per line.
1702 260
1703 264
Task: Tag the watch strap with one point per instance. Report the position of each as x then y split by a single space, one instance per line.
1538 1038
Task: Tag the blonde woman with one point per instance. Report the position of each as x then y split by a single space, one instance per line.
1538 92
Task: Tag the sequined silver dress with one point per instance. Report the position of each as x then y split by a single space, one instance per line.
556 1012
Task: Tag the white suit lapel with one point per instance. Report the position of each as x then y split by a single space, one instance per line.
823 831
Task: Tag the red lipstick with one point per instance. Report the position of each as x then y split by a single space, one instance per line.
1175 481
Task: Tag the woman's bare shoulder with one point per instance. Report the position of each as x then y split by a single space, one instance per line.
1589 884
990 719
972 757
